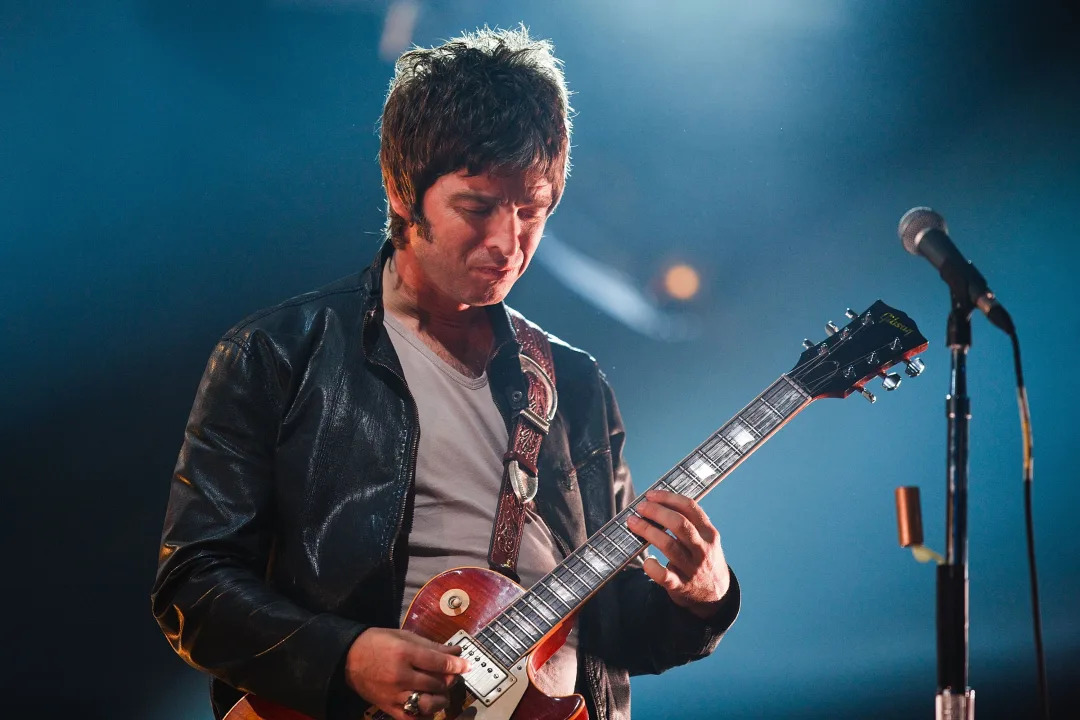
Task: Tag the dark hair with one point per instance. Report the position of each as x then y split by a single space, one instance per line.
489 101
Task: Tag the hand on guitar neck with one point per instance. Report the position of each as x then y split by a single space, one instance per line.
696 576
386 666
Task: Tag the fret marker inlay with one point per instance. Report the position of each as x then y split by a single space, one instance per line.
743 438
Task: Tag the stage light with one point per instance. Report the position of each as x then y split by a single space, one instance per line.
397 34
681 282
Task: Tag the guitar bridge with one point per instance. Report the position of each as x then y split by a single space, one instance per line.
486 679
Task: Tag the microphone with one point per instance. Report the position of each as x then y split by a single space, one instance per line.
923 232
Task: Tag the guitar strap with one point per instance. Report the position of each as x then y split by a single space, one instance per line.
527 432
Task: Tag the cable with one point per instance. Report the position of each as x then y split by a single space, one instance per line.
1029 475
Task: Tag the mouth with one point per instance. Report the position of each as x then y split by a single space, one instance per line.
494 272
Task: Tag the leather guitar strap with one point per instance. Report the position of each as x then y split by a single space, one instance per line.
527 432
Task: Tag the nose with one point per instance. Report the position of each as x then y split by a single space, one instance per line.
504 233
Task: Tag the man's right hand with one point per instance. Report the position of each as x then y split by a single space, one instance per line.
386 666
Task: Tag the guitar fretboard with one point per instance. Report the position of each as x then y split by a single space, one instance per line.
516 630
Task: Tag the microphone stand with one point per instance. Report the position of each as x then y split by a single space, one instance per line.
955 700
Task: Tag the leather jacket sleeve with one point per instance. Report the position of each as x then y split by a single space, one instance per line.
210 596
652 633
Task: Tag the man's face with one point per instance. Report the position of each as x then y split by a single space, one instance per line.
480 235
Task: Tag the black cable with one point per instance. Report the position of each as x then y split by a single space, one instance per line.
1029 473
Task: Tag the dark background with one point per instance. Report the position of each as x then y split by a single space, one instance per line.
168 167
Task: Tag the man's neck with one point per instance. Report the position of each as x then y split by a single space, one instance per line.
460 335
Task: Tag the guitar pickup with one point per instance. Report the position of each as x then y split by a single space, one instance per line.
486 679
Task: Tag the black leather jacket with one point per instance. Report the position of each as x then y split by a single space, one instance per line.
289 514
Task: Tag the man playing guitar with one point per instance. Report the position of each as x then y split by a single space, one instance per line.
349 444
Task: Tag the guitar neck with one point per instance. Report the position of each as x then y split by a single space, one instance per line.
515 631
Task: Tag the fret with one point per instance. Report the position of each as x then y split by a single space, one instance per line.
508 658
666 485
721 452
769 406
634 539
738 435
758 419
489 640
531 614
796 386
569 590
550 616
524 617
586 566
782 397
604 568
555 597
506 636
704 458
683 483
734 448
619 552
504 622
637 544
696 466
697 483
749 426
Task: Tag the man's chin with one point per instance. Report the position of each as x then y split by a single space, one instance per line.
489 296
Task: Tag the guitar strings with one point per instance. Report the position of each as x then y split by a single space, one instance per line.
489 632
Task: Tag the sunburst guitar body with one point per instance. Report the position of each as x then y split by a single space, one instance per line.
453 608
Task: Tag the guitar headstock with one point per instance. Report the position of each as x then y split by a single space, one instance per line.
871 343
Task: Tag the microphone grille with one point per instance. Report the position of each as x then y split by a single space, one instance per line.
915 221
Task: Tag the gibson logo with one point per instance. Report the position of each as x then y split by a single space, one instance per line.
893 320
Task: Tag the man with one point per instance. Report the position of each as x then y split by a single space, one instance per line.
348 444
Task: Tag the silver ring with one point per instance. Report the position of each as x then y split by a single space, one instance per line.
411 707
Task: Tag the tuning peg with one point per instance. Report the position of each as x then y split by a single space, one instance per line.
891 381
915 366
851 314
868 395
807 343
831 329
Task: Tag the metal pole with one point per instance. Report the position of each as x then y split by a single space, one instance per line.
955 700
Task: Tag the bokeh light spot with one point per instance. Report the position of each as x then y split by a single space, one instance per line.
681 282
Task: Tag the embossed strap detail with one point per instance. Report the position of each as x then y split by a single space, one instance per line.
526 434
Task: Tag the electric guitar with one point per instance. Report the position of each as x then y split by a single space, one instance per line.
508 632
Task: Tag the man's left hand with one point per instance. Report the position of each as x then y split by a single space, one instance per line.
696 576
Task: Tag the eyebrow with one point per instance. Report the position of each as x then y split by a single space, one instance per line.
538 199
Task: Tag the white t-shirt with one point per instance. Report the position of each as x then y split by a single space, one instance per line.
459 472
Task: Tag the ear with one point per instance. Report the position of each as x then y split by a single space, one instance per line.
397 204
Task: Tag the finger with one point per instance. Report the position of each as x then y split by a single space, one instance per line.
434 660
689 508
663 542
396 712
679 525
433 703
427 703
661 575
431 644
426 682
